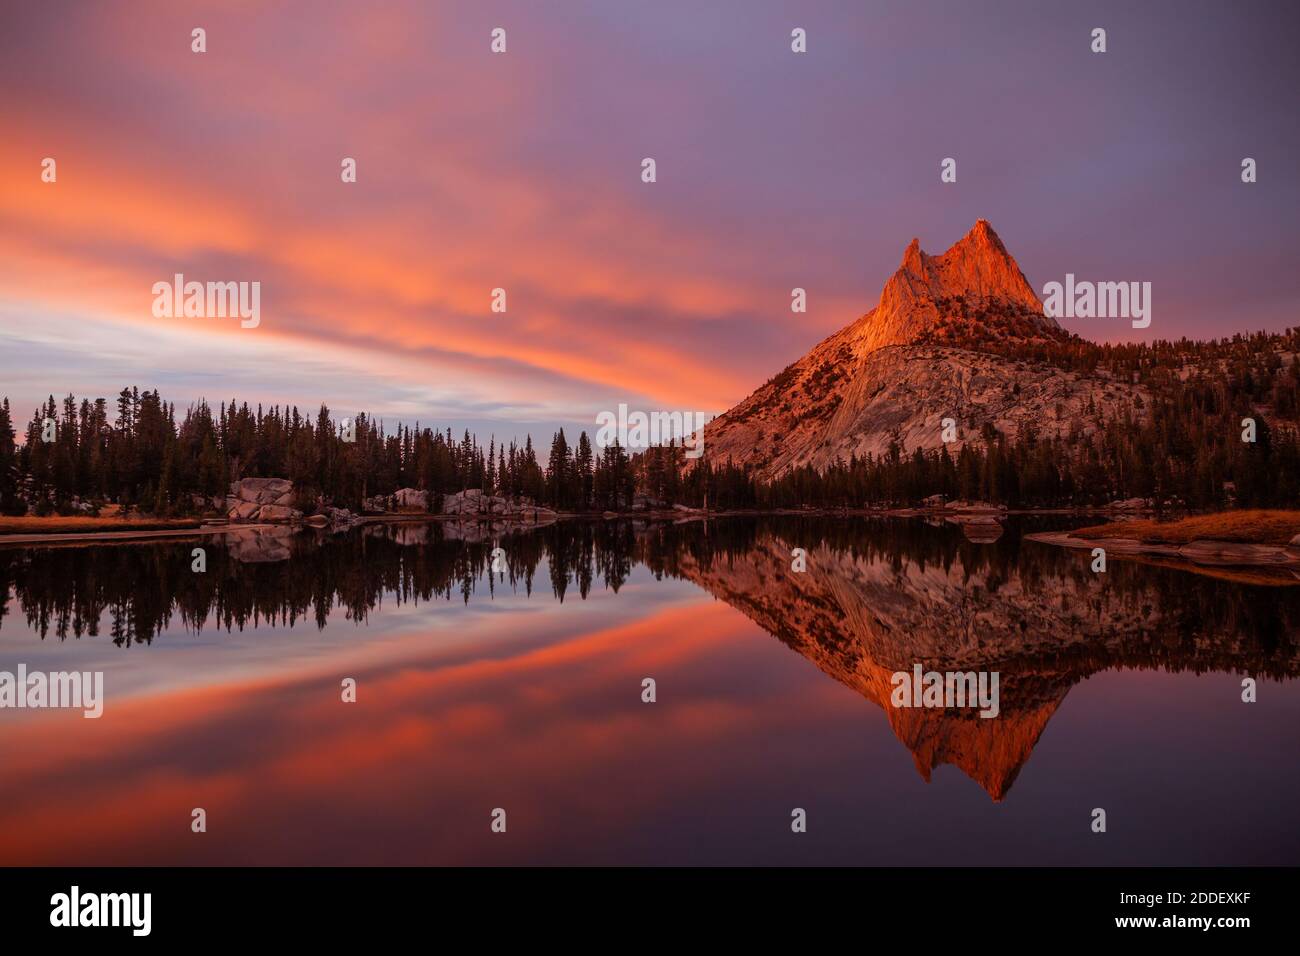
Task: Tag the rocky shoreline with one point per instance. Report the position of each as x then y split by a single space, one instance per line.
263 505
1202 551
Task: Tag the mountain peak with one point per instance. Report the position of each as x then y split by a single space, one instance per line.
853 391
913 258
977 269
982 240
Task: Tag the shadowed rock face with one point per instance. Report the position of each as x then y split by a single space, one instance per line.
884 373
862 618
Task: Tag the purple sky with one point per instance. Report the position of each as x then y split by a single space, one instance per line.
521 170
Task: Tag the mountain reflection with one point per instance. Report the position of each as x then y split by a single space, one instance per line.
877 596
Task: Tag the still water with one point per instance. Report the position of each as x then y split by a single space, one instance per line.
521 689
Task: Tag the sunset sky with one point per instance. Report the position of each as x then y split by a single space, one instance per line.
522 171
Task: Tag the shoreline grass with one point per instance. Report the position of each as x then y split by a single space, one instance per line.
81 524
1250 526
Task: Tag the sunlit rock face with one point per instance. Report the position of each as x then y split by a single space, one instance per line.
890 372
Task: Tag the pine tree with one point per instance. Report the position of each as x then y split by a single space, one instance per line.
10 503
558 470
583 462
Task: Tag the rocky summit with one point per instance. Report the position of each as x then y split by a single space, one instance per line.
920 356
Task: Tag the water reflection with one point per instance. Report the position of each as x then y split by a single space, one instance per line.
871 605
553 723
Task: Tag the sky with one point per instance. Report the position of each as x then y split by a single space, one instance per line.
522 171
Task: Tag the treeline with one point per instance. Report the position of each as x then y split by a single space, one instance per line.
1121 462
80 454
1184 450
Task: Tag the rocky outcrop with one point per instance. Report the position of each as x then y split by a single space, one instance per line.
263 491
336 517
890 374
243 510
403 499
262 499
1130 505
411 499
960 507
648 503
475 504
273 500
278 513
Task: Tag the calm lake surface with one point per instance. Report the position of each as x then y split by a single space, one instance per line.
522 690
